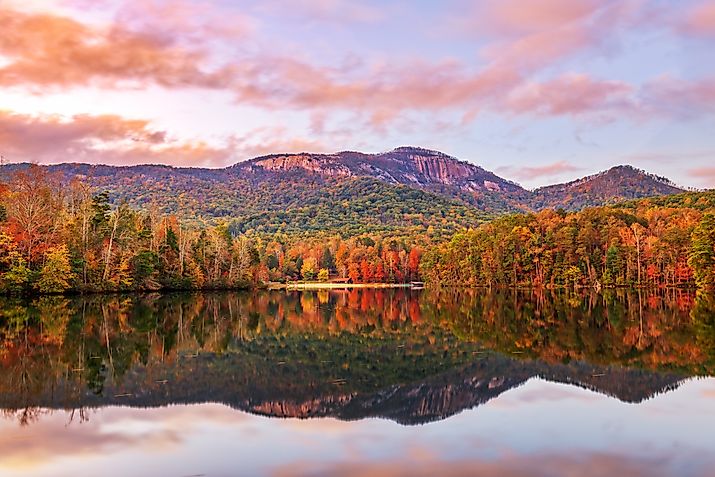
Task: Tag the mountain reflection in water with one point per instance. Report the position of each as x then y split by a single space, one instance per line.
408 356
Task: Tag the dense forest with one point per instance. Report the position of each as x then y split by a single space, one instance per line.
287 202
58 236
664 241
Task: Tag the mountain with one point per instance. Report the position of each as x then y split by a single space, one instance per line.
428 170
404 165
614 185
440 173
350 192
292 201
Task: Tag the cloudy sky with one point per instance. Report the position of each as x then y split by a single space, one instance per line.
539 91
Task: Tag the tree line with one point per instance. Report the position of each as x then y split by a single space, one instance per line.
58 236
648 243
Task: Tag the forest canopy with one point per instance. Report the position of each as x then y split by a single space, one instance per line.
665 241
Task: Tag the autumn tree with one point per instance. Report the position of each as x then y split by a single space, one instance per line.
32 204
309 269
414 263
19 277
354 272
56 274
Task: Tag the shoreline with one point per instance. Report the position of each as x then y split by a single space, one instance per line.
336 286
312 286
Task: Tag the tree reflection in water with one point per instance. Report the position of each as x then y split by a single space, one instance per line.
411 356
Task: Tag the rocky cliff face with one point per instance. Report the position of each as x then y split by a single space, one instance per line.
325 165
404 165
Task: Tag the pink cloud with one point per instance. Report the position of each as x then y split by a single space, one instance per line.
103 433
571 95
534 35
112 139
534 172
333 11
514 17
705 175
39 135
185 22
507 465
104 139
700 20
172 21
50 50
678 98
151 44
284 82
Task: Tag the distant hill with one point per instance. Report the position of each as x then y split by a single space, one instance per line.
614 185
351 192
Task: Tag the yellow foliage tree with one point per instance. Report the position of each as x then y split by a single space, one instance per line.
56 274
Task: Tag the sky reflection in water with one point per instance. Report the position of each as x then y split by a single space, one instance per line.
539 429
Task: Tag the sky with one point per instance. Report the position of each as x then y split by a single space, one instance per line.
538 429
539 92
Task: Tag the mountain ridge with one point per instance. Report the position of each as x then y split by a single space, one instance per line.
407 165
405 187
619 183
292 161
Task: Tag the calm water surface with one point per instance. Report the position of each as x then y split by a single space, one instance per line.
365 382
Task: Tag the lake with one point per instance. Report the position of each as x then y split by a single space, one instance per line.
386 382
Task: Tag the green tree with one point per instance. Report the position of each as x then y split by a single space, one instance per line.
100 209
614 266
702 252
56 274
145 265
172 240
19 277
327 260
323 275
573 276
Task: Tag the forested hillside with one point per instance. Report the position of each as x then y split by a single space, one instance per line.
56 237
346 193
293 202
665 241
614 185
